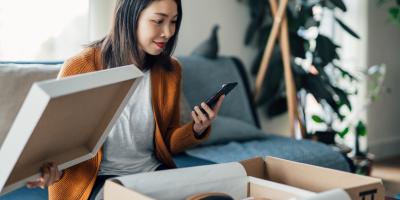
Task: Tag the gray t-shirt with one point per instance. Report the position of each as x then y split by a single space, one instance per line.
129 147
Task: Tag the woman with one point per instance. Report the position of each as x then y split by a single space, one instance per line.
144 33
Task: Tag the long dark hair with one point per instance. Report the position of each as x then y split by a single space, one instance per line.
120 46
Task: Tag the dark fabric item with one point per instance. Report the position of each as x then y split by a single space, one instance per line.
184 160
162 167
100 180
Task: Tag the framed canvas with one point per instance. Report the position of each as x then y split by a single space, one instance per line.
64 121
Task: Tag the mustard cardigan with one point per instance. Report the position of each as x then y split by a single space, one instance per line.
169 137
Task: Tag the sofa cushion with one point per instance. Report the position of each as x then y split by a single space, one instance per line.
15 82
305 151
227 129
202 77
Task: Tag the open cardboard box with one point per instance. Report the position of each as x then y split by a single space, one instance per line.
270 178
64 121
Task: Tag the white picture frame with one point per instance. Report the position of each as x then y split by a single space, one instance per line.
64 121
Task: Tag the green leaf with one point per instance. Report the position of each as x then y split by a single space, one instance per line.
345 73
343 132
321 90
297 45
361 130
394 13
339 4
325 49
346 28
317 119
343 99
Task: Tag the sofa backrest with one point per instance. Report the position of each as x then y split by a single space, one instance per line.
202 77
15 81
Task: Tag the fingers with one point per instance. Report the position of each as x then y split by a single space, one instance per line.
195 118
59 174
50 174
37 183
46 175
203 118
209 111
219 104
53 174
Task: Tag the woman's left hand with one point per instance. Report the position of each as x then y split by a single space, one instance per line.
201 120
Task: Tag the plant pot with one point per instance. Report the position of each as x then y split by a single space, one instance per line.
363 164
327 137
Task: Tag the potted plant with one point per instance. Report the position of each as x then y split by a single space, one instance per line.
313 55
353 123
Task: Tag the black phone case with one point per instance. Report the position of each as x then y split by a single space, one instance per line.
225 89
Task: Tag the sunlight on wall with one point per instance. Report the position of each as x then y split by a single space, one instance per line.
42 29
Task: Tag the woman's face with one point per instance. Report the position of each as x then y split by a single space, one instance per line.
156 25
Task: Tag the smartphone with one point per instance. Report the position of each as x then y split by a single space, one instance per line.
225 89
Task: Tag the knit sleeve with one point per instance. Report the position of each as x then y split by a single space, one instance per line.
82 63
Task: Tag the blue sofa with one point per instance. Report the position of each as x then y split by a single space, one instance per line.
236 134
201 77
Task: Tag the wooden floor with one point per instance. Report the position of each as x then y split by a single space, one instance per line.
389 171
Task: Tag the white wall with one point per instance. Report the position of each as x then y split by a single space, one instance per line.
383 116
200 16
100 14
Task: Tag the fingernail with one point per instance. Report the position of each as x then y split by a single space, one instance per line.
203 104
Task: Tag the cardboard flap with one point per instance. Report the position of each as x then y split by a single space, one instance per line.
255 167
264 188
303 176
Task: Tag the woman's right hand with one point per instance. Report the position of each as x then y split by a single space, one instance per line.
50 175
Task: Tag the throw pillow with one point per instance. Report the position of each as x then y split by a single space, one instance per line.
209 48
226 129
15 82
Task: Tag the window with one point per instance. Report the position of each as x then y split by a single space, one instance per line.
42 29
